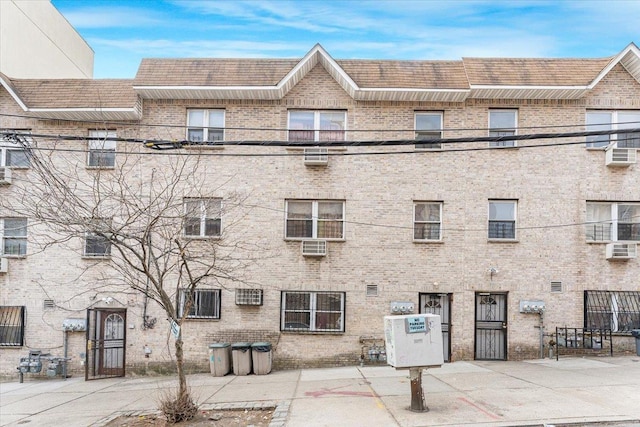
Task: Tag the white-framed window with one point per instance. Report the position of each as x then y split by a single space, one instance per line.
503 123
13 232
202 217
305 125
312 311
11 326
205 125
12 153
427 221
95 243
102 149
428 125
613 120
314 219
502 219
613 221
204 303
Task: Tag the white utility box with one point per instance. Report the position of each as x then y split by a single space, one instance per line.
413 340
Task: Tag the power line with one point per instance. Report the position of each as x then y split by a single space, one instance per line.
159 144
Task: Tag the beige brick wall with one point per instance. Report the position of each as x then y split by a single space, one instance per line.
551 185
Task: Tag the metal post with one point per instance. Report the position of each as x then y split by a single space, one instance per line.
417 394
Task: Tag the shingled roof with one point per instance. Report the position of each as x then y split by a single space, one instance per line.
533 72
76 99
213 72
368 80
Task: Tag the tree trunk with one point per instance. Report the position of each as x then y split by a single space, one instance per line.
182 379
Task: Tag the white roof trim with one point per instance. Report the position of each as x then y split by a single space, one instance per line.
520 87
630 49
14 95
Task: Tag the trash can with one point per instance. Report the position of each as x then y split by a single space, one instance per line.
220 359
636 334
261 354
241 355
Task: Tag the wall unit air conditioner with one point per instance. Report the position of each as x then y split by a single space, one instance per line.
622 251
4 265
5 176
314 247
316 156
621 157
248 296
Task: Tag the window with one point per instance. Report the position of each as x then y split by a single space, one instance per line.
11 326
429 126
202 217
313 311
204 303
502 123
314 219
95 243
12 153
502 219
14 236
615 310
205 125
613 120
102 150
609 221
427 221
317 125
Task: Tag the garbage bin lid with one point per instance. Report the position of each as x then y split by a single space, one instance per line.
261 346
219 345
243 345
635 333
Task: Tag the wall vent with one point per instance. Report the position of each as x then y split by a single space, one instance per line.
372 290
48 303
556 287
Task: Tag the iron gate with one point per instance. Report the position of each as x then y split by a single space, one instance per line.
491 326
106 343
440 304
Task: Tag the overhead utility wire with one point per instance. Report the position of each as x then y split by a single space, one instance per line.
159 144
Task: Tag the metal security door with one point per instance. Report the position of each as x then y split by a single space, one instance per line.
440 304
491 326
106 339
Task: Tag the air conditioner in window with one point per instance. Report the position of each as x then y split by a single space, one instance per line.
316 156
4 265
621 156
5 176
314 247
622 251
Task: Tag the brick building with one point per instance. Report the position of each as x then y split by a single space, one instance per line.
356 185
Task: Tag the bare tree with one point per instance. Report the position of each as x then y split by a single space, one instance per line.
136 212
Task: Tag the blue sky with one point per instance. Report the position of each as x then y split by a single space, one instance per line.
123 32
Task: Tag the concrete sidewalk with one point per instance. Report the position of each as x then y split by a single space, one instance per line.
536 392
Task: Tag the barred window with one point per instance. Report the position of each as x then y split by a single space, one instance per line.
11 326
615 310
204 303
